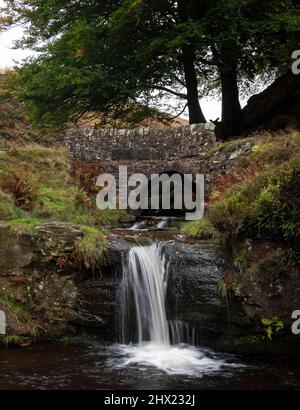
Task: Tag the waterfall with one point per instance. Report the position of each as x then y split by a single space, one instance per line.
145 333
163 224
182 332
144 281
138 226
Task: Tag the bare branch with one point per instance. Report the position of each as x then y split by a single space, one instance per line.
178 79
168 90
181 112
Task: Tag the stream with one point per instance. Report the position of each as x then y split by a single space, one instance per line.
156 347
62 366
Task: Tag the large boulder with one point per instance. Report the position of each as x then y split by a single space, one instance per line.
277 107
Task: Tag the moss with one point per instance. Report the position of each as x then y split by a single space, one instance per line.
113 217
24 226
91 249
20 313
201 229
262 148
67 205
229 145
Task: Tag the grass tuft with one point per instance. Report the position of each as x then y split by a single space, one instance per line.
91 249
201 229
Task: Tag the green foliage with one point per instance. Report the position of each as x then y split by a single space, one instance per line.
37 185
113 218
12 340
267 204
241 260
48 165
24 226
272 326
258 216
22 184
201 229
231 212
8 208
20 313
15 127
79 68
223 289
67 205
228 145
91 249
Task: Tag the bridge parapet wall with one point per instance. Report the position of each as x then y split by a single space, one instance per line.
140 144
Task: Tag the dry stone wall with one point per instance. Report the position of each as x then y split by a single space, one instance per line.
188 150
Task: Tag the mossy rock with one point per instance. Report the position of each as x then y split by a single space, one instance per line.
15 252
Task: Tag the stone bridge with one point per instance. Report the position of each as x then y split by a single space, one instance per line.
144 150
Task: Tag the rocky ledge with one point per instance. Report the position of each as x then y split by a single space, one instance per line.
42 290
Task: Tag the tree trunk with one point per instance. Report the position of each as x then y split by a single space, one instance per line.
196 115
232 117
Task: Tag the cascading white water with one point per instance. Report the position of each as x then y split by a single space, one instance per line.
146 265
144 320
163 224
144 277
182 332
153 223
138 226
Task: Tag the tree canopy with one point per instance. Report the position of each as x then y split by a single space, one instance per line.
100 56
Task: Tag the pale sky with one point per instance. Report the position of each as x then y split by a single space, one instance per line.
9 57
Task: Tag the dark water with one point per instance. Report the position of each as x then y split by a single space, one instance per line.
64 366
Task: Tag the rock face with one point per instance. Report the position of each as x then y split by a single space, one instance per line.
43 295
268 286
192 297
57 299
277 107
54 299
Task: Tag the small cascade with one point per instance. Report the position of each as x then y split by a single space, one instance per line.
164 223
139 225
144 280
182 332
151 223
